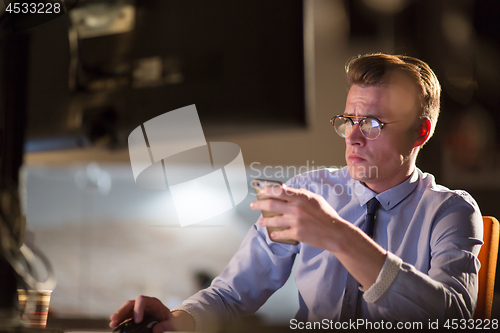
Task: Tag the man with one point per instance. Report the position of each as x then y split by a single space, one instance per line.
417 261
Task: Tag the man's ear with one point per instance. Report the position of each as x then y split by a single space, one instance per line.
423 132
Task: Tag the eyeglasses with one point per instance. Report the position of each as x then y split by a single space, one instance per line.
369 127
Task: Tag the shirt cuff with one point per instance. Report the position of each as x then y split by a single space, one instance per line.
197 319
387 274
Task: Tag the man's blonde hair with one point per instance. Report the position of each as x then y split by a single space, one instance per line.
372 70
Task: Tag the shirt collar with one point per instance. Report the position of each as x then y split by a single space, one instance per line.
390 198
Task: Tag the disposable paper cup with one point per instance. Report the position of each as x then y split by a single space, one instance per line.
35 306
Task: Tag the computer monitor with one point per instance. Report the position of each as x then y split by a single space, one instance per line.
241 62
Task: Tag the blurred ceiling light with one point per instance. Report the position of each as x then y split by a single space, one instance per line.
103 18
488 68
93 178
459 73
387 6
456 28
330 20
460 82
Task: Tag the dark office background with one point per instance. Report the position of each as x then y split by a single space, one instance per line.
264 107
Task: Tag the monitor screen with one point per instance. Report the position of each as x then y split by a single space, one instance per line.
240 62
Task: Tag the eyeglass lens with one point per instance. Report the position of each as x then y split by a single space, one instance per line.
370 128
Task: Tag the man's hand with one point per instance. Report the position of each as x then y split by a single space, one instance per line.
308 217
311 220
178 320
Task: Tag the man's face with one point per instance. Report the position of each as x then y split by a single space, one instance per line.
389 159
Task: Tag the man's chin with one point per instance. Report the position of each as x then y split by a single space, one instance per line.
363 173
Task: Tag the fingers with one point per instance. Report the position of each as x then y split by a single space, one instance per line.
270 205
124 312
285 234
152 306
275 221
139 306
136 309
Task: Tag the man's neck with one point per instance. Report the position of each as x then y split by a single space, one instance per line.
381 186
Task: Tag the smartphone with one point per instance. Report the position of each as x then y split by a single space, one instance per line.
258 184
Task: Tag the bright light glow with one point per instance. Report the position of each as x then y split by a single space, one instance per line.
200 199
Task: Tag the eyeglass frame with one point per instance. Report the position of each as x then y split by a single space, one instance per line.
359 119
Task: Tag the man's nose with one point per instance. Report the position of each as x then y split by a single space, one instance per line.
355 136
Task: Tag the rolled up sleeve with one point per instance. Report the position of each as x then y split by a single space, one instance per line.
256 271
449 289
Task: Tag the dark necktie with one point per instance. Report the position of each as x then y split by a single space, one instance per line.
351 294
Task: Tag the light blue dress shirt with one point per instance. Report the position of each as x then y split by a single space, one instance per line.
432 235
